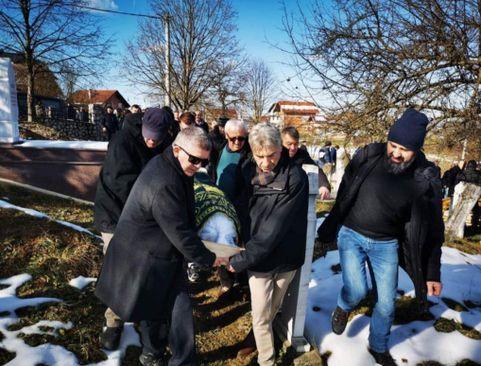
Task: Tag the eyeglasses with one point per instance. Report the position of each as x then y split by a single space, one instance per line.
236 138
194 159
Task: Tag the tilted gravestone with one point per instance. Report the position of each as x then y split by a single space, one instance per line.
8 103
466 195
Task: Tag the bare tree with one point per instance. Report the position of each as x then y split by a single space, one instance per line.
53 35
202 37
259 88
374 58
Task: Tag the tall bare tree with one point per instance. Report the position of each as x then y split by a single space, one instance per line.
53 35
259 88
373 58
203 36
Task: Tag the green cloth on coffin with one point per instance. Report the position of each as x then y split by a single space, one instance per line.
209 199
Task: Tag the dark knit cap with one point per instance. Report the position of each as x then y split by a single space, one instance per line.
221 121
155 123
409 130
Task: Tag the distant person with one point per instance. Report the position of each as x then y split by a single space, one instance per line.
134 117
186 119
217 136
109 123
388 212
449 178
143 278
200 122
128 153
290 140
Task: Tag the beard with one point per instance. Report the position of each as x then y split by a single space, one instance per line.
397 168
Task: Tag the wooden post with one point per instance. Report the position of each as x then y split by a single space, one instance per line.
291 320
466 195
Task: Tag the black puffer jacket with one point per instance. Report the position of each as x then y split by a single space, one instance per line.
127 155
277 220
470 174
420 246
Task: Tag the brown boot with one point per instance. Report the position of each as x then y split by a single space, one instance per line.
248 345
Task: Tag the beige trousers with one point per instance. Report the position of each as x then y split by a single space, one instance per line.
267 293
111 319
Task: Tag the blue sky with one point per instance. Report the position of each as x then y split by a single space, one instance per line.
259 23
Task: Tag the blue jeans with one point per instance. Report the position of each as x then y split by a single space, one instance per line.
354 251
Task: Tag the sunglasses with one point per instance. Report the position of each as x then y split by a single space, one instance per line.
236 138
194 159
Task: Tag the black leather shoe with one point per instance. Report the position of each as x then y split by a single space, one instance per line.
148 359
339 320
110 338
383 358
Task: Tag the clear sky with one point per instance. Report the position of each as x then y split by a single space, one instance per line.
259 26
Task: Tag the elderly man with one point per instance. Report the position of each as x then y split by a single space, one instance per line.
278 190
128 153
143 277
389 202
290 140
234 152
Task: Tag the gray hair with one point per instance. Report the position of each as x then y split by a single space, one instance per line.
193 135
235 124
264 135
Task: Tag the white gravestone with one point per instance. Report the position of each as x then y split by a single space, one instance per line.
292 317
8 103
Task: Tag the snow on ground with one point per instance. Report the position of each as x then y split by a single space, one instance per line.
409 343
29 211
47 354
80 282
58 144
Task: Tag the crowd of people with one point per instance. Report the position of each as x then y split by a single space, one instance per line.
387 213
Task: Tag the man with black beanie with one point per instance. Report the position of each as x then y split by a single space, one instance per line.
388 213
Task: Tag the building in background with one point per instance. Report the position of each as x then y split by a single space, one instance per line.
293 113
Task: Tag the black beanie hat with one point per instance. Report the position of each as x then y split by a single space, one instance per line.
155 123
409 130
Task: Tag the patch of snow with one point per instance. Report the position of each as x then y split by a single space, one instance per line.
414 342
48 354
35 213
58 144
80 282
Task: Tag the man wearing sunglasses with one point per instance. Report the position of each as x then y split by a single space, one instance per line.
235 150
143 278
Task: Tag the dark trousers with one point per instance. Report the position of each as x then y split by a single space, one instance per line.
177 330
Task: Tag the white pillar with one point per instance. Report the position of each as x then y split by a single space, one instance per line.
292 318
8 103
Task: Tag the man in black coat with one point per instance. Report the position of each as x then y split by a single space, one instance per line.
290 140
109 123
277 220
388 212
143 277
449 179
128 153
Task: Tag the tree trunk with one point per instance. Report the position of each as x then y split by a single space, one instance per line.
30 94
466 195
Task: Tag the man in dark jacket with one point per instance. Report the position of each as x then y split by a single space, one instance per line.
109 123
388 212
128 153
290 140
449 179
143 277
278 222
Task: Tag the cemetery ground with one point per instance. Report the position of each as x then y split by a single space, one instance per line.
56 322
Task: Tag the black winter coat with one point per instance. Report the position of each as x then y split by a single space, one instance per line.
110 122
277 220
420 246
469 175
449 179
127 155
156 231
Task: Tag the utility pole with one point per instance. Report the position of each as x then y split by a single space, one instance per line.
167 18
